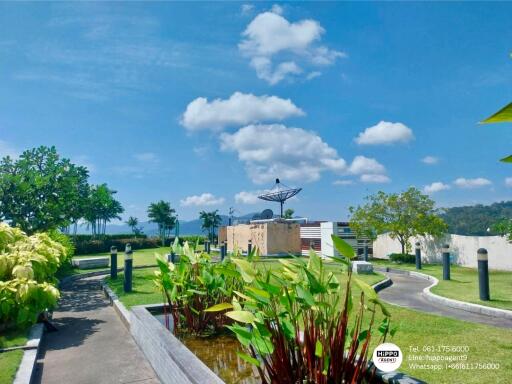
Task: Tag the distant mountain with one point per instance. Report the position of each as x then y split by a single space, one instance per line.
476 219
191 227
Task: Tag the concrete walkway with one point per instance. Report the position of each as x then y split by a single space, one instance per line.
406 291
91 344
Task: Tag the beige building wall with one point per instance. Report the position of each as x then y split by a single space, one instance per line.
270 238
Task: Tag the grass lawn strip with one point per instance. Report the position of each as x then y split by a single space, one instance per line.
9 363
14 337
463 285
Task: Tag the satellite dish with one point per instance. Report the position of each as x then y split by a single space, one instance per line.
267 214
279 193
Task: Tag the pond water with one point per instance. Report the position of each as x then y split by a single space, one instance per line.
219 354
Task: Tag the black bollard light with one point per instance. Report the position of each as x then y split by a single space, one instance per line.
483 274
446 262
113 262
249 247
418 255
207 246
222 251
365 251
128 266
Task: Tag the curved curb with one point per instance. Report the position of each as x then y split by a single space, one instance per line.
457 304
382 284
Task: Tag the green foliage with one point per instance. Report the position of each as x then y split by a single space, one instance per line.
402 258
133 223
41 191
196 289
288 213
27 269
162 214
504 115
210 222
402 215
101 207
85 247
475 220
299 324
65 241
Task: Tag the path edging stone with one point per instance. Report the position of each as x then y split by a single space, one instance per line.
463 305
28 362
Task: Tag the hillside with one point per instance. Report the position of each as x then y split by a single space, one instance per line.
476 219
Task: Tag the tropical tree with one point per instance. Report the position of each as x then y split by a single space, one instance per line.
210 222
133 223
101 208
288 213
402 215
40 190
162 214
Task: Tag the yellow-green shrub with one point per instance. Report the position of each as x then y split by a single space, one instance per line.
27 274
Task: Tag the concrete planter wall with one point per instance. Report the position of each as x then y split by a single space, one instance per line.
170 359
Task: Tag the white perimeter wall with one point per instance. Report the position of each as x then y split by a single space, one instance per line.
463 249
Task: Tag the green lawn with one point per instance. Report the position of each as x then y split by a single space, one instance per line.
14 337
416 329
464 283
9 363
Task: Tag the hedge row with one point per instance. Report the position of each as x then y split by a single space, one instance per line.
107 237
84 247
402 258
99 246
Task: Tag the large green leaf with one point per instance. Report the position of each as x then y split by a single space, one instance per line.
367 289
504 115
507 159
241 316
219 307
249 359
343 247
247 270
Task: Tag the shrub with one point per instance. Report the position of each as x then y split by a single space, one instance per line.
78 238
65 241
27 275
298 324
103 245
402 258
194 288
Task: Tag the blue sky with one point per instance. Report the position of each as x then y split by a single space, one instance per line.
204 104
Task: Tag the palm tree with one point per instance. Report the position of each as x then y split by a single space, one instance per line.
133 223
211 221
162 214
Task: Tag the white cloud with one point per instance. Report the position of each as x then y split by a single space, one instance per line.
269 36
146 157
435 187
239 109
205 199
343 182
248 197
313 75
376 179
478 182
430 160
385 133
246 8
508 181
362 164
274 150
7 150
